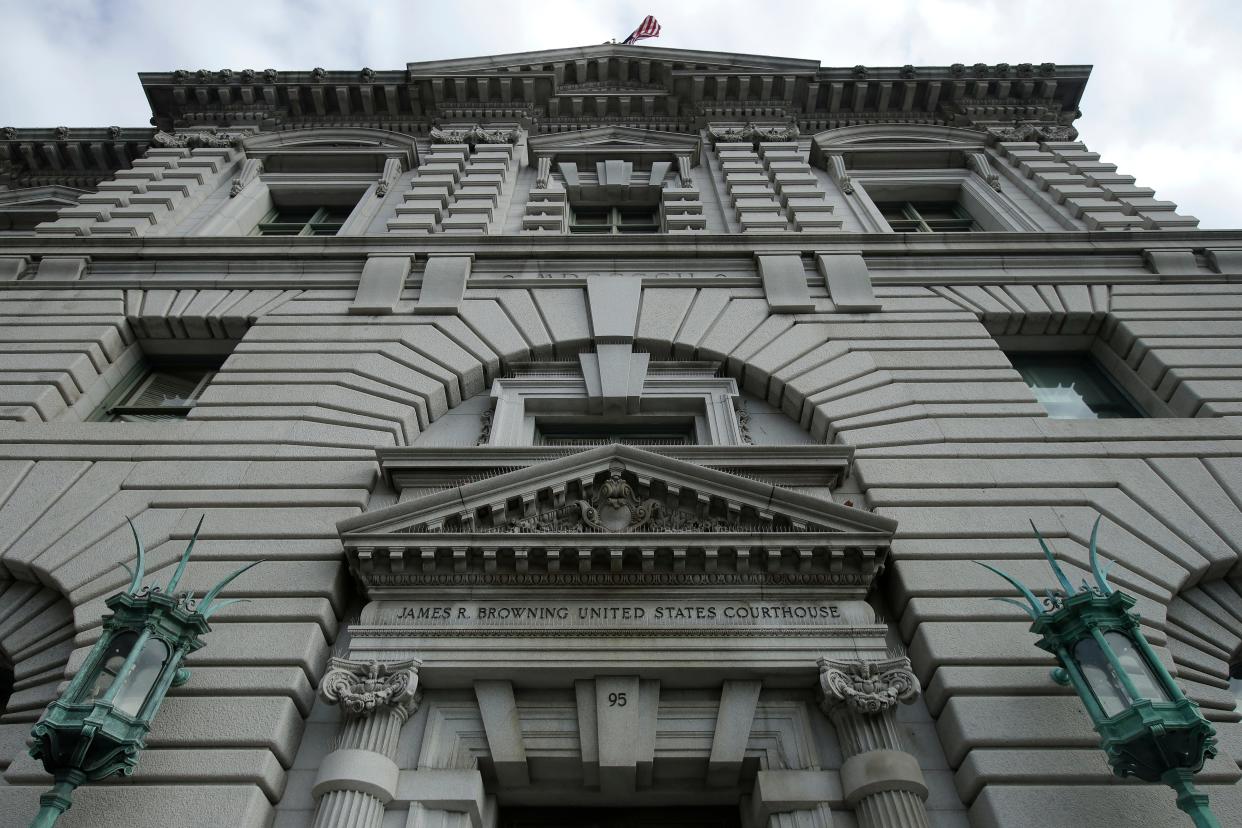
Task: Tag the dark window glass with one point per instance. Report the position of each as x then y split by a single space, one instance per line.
304 221
927 217
602 434
1235 681
6 685
613 220
1072 387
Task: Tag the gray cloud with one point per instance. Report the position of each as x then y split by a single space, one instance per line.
1158 104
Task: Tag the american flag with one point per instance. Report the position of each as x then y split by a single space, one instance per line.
650 27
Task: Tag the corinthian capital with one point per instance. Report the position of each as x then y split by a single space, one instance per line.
867 687
363 688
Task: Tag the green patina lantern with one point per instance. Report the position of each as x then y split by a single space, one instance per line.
99 724
1147 726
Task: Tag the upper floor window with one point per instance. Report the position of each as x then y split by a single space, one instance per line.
927 217
614 220
635 431
303 221
1072 386
149 394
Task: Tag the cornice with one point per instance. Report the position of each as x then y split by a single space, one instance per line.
663 88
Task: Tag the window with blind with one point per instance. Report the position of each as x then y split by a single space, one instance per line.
1072 387
153 394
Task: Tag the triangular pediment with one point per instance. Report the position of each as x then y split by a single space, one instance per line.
525 61
616 489
615 139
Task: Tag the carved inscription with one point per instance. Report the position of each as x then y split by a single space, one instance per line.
656 614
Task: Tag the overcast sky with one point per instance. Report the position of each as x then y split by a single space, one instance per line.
1161 103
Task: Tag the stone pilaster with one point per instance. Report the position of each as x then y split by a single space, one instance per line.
359 777
881 781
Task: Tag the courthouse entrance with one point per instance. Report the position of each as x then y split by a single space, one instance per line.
612 637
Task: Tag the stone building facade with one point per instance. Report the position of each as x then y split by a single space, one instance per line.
619 428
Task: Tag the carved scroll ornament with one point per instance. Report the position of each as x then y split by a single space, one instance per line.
1034 132
473 135
363 688
867 687
754 134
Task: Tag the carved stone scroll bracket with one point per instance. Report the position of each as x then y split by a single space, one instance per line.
978 162
392 169
544 174
881 781
683 171
251 169
836 169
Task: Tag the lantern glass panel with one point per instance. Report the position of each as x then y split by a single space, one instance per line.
139 682
110 663
1101 677
1136 667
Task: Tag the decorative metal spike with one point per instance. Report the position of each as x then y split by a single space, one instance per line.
1026 593
1101 574
219 605
140 569
185 558
205 605
1052 562
1019 605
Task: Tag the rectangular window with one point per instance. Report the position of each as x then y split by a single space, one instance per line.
303 221
149 395
927 217
613 220
1072 386
656 432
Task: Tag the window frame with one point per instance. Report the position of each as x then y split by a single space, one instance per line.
113 408
992 211
1120 405
318 220
916 213
615 224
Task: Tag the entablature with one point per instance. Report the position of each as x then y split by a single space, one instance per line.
613 83
1079 257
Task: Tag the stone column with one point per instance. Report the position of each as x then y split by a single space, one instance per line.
881 781
359 777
